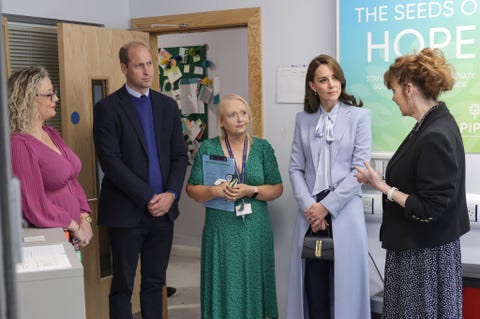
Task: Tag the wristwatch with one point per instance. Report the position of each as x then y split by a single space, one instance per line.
173 194
255 192
88 219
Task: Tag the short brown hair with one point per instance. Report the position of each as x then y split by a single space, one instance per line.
123 53
427 70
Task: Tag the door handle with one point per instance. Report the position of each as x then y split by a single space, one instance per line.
92 199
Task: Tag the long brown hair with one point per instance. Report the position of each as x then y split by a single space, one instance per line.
312 101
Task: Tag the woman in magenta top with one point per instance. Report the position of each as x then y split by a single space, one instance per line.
46 167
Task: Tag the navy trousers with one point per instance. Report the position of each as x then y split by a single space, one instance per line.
151 241
319 279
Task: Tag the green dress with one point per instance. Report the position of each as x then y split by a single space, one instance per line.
238 262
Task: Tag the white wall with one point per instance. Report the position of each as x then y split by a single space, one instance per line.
92 11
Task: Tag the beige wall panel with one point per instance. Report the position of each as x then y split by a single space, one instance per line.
92 54
87 53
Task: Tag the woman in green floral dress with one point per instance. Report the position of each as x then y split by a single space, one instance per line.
238 263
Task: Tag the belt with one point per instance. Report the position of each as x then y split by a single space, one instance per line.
322 194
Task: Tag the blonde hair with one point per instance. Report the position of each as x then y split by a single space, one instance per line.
221 112
22 94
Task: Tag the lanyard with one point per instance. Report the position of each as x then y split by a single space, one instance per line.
241 175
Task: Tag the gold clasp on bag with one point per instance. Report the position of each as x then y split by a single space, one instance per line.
318 248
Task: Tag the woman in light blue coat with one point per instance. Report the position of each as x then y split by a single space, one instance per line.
331 135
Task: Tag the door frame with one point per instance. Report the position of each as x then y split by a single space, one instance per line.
249 18
6 46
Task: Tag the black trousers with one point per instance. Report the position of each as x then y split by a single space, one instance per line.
151 240
319 279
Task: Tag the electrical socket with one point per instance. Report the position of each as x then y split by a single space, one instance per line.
473 200
472 212
377 203
377 165
379 161
372 205
367 201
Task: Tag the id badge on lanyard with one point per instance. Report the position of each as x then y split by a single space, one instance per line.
243 208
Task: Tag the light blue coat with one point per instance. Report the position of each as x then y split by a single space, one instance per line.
351 146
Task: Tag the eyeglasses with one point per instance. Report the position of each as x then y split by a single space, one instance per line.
49 95
231 179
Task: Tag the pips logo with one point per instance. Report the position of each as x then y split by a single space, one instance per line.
474 110
473 127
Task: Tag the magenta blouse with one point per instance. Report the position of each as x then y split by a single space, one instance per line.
51 193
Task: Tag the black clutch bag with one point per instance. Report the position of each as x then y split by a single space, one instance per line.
317 247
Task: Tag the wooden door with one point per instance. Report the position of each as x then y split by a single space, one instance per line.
90 69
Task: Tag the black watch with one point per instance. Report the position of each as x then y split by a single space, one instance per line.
255 192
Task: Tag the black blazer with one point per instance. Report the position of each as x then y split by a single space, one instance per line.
121 150
430 167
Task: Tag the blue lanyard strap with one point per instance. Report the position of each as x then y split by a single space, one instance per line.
241 175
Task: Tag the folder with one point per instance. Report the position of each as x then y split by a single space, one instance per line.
215 167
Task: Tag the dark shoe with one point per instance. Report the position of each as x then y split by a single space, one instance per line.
170 291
